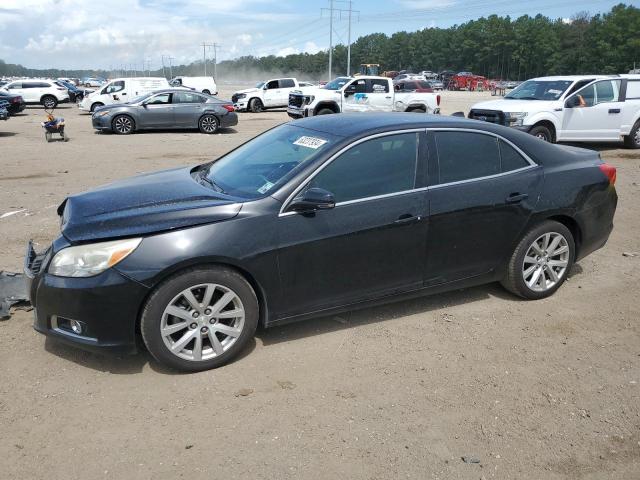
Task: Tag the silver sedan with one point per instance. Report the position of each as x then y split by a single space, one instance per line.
164 110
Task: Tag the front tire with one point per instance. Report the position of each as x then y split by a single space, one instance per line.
541 262
95 106
199 319
325 111
255 105
206 92
633 139
49 102
208 124
122 125
542 132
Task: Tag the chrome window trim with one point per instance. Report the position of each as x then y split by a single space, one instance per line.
531 165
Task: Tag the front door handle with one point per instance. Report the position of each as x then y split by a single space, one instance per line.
407 219
517 197
614 110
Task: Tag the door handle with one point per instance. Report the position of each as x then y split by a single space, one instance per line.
407 219
517 197
387 97
614 110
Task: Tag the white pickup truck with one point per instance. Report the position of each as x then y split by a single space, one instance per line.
359 94
585 108
270 94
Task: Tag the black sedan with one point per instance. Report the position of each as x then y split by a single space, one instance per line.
166 109
315 217
16 103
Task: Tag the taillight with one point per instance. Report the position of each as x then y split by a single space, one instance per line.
609 171
228 108
438 99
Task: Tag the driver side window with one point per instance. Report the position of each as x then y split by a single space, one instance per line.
160 99
273 84
115 87
604 91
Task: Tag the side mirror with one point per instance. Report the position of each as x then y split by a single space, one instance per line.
572 102
311 200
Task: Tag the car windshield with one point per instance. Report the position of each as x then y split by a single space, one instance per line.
539 90
259 84
260 165
336 84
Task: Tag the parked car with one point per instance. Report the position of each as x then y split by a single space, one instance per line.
270 94
359 94
93 82
437 85
166 109
15 103
44 92
4 110
121 90
407 76
200 84
312 218
413 86
75 94
580 108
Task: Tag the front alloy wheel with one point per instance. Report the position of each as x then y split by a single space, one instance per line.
123 125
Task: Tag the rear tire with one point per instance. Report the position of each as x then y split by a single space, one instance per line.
208 124
49 102
633 139
537 269
542 132
255 105
206 92
215 340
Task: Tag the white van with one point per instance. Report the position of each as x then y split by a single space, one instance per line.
205 85
121 90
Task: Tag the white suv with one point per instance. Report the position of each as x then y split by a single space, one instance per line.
587 108
44 92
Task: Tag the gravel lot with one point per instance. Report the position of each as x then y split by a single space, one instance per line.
536 390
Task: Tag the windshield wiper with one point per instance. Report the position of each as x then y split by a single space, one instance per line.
203 178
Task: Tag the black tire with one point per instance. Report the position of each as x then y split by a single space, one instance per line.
49 102
206 92
633 139
255 105
543 133
96 105
123 124
325 111
514 279
166 292
417 110
208 124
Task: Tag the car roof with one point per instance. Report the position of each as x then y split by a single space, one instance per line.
573 77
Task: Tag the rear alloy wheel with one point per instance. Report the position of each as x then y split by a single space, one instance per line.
122 125
200 319
542 132
208 124
541 261
633 139
255 105
49 102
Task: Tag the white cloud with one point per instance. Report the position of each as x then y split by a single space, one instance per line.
426 4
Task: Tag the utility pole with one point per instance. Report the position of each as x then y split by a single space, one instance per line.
163 72
170 66
204 55
349 42
340 11
215 60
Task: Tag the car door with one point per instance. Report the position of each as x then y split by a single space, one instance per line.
481 195
372 243
187 108
272 94
380 98
286 86
157 112
594 112
355 97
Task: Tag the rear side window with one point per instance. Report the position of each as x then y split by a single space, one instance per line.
378 86
510 158
287 83
186 97
375 167
633 90
466 155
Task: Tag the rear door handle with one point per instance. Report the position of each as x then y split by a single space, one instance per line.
407 219
517 197
614 110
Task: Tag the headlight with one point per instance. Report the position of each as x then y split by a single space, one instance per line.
516 118
92 259
308 100
241 95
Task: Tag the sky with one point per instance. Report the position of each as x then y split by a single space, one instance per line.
117 34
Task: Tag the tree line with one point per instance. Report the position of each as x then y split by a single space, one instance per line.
493 46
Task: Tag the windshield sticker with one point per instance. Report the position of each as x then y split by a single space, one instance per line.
555 92
310 142
266 187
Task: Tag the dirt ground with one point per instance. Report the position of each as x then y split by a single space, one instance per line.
531 390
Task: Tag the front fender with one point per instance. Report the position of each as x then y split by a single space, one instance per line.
532 120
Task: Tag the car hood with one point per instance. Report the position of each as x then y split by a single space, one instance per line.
144 204
248 90
515 105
